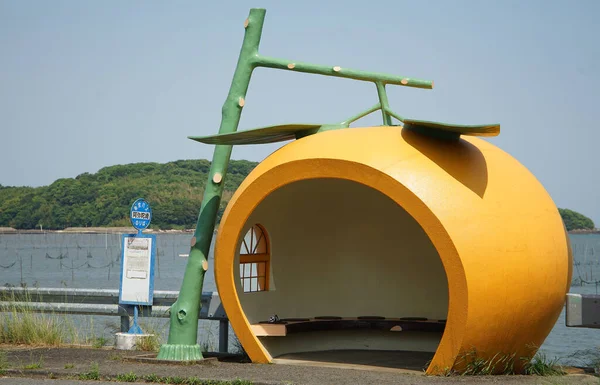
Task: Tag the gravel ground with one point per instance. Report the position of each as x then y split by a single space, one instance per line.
67 363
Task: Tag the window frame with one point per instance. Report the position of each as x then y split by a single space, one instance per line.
256 257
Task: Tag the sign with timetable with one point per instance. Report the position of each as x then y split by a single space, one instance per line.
137 269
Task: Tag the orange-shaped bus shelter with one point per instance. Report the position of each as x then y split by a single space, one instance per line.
381 238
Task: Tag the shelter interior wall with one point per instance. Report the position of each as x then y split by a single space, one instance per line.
344 249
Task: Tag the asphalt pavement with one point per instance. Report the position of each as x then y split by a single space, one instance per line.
65 366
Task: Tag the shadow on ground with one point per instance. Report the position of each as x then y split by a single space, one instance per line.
406 360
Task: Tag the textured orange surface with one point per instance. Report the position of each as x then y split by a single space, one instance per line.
498 233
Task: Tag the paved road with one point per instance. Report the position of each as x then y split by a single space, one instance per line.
348 378
65 363
36 381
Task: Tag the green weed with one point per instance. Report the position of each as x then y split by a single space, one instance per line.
3 363
93 374
128 377
148 344
152 378
540 365
21 325
153 327
175 380
472 364
479 366
99 342
115 357
34 364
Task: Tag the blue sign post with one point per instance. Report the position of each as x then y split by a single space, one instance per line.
140 215
137 262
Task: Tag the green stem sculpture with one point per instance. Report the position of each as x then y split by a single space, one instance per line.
183 333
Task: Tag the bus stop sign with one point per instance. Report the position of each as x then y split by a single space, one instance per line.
140 214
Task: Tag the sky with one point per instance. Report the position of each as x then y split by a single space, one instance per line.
85 85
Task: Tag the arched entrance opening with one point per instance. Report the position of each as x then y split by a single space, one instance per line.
344 256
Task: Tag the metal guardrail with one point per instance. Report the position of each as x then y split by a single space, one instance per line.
105 302
582 311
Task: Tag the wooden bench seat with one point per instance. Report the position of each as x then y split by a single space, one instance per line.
299 325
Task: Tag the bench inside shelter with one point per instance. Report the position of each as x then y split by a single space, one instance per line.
287 326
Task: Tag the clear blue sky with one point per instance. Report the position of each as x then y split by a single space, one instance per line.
84 85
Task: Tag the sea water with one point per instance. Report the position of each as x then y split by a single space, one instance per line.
71 260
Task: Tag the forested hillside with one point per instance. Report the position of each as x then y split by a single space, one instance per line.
575 221
174 191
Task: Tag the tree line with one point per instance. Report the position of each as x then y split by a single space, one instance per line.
576 221
174 191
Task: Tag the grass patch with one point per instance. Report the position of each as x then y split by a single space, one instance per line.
3 363
34 364
471 364
153 327
18 325
153 378
128 377
69 366
148 344
115 357
174 380
92 374
479 366
99 342
21 325
540 365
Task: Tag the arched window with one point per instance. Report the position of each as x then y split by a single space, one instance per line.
255 259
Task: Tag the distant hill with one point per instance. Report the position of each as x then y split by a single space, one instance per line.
174 191
576 221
